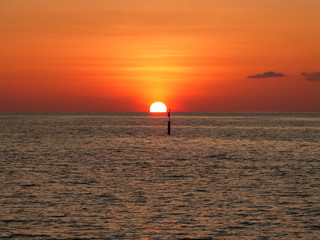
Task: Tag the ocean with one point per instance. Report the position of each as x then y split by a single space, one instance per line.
121 176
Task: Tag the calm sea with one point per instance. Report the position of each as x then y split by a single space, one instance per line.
120 176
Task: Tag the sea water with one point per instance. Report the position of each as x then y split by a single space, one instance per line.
120 176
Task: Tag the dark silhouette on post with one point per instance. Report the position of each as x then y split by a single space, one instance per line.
169 122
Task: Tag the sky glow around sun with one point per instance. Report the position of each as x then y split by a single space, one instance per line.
202 56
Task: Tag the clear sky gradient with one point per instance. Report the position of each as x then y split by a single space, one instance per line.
122 55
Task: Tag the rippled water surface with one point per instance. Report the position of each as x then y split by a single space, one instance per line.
120 176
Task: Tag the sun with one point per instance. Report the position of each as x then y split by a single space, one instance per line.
158 107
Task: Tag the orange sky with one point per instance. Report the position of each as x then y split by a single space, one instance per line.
122 55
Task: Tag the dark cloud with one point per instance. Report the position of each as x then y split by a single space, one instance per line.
267 75
315 76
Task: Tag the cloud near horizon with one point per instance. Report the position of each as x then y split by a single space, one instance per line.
267 75
314 76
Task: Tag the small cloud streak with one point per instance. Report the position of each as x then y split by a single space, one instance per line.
315 76
267 75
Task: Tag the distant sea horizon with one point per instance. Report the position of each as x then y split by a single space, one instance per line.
159 113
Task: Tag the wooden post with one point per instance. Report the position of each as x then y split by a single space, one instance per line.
169 122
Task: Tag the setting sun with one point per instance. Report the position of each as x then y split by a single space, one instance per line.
158 107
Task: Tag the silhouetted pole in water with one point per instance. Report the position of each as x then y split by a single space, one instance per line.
169 122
